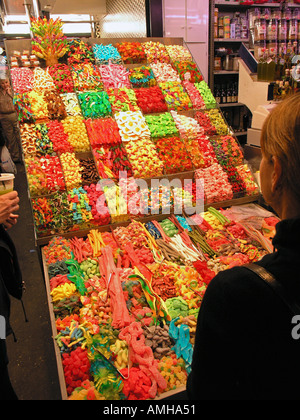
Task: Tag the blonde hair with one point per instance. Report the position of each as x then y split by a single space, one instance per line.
280 137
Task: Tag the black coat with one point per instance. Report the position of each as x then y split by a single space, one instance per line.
10 283
244 347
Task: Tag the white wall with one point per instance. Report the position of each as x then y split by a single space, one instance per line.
189 19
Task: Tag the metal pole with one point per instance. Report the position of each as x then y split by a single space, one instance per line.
28 5
36 8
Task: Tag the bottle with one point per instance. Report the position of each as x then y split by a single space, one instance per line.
272 28
223 95
293 28
271 66
244 27
221 27
234 93
226 21
229 94
232 27
217 94
238 26
297 13
267 13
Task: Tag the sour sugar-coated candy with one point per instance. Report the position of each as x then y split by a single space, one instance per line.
94 104
42 80
188 70
77 134
102 131
194 94
71 104
38 105
22 79
105 54
132 125
144 158
216 183
161 125
141 77
156 52
131 52
86 76
58 137
164 72
188 127
150 100
79 52
206 94
114 76
217 121
122 99
71 170
178 53
172 152
175 96
62 77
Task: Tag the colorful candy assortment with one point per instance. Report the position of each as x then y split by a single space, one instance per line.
126 297
173 154
156 52
77 134
94 104
150 100
132 126
122 99
114 76
144 158
188 70
161 125
22 79
151 300
175 96
131 52
120 117
106 54
62 77
142 77
86 77
178 53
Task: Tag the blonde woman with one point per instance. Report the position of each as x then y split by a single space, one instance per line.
247 341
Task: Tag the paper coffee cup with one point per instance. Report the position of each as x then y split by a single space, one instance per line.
6 183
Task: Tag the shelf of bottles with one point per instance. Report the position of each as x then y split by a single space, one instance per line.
276 39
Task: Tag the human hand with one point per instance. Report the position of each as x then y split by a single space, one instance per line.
11 221
9 204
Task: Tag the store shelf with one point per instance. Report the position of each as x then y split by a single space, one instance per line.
231 105
244 6
231 40
240 133
223 72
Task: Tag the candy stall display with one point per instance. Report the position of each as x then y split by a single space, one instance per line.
125 274
133 107
158 273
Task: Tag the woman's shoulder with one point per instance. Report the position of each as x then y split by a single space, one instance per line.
238 287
